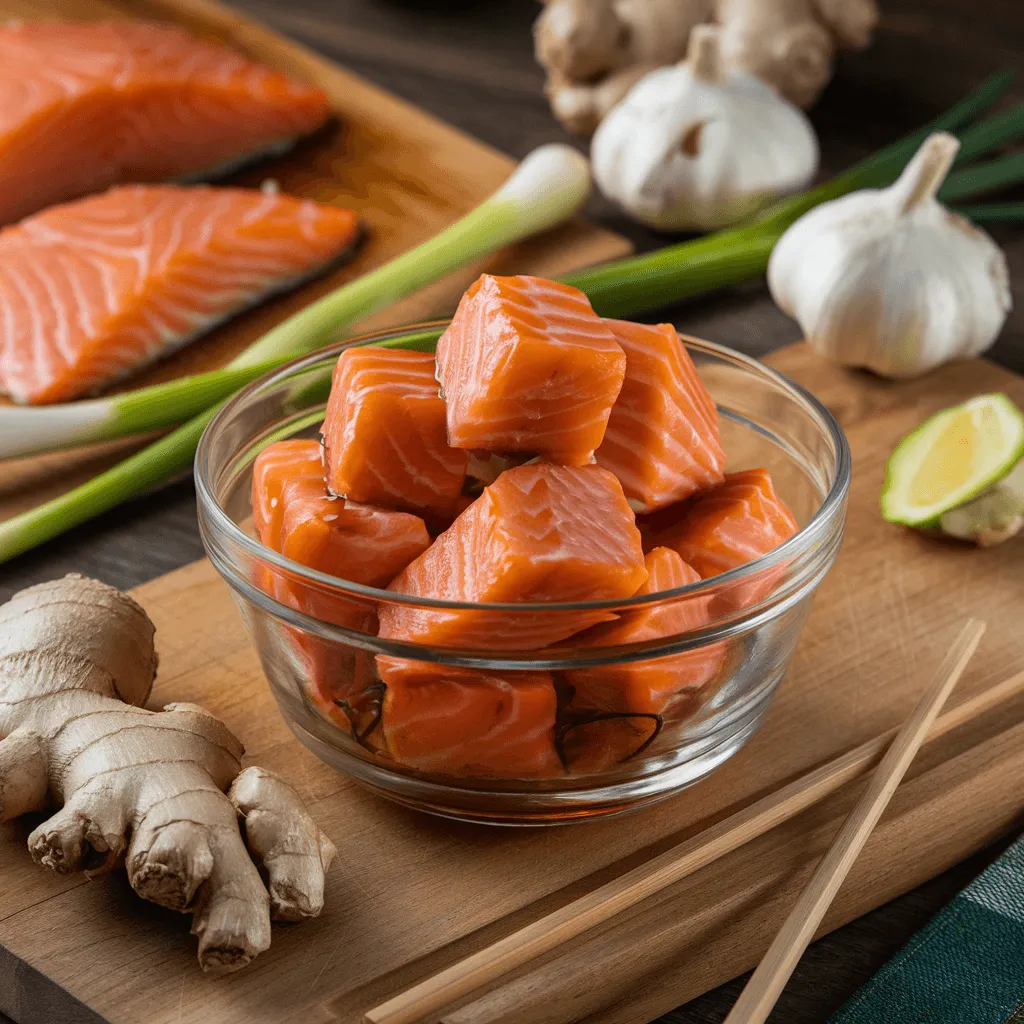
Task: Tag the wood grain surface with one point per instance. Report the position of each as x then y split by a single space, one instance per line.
470 63
412 894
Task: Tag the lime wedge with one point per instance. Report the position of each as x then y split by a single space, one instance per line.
951 458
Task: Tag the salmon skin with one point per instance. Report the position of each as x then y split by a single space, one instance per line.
730 525
647 687
86 105
96 289
539 533
458 721
662 441
526 365
384 433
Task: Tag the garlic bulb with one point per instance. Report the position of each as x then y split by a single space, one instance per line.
701 146
889 279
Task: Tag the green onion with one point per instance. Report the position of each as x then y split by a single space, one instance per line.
28 430
884 167
621 288
548 187
988 176
992 213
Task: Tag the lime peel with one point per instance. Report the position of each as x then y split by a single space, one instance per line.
954 457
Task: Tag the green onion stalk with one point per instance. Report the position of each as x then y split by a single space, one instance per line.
548 186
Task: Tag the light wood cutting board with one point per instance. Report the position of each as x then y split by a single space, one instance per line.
410 894
407 175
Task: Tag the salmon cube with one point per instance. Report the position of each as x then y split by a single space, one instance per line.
345 688
647 687
539 533
295 516
526 365
730 525
458 721
385 437
342 538
595 741
281 463
662 440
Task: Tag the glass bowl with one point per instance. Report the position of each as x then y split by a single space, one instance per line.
315 634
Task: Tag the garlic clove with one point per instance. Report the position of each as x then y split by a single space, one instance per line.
890 280
700 145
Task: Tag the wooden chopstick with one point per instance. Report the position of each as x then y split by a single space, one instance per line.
767 982
491 963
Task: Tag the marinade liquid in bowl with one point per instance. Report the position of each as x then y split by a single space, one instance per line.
495 735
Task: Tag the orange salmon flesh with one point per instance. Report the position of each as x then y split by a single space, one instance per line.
385 435
538 533
527 366
96 289
93 104
662 440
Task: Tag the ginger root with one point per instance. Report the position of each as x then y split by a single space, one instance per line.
595 50
141 787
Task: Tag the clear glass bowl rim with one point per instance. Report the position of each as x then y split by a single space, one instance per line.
804 540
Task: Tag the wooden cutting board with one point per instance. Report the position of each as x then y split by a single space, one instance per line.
411 893
407 175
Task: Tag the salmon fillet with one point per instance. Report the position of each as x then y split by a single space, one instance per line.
458 721
526 365
95 289
384 432
646 687
86 105
724 528
539 533
662 440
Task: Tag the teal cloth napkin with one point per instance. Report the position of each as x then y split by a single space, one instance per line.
965 967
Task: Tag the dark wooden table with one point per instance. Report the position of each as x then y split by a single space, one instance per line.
470 62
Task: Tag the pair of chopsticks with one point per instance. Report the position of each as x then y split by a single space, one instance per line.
490 964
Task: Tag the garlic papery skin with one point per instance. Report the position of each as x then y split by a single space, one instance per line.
701 146
889 279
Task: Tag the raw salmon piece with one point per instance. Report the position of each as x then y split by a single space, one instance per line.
89 105
596 741
341 538
345 539
294 515
539 533
457 721
384 433
662 440
98 288
526 365
279 464
344 687
724 528
647 687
